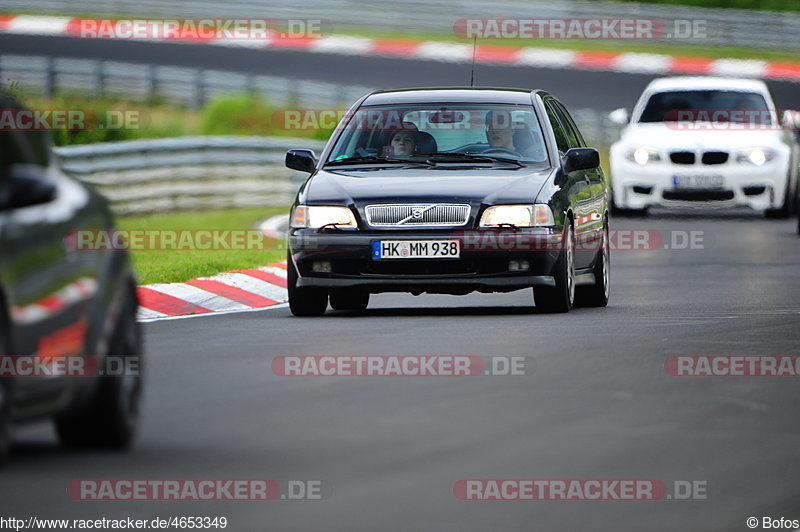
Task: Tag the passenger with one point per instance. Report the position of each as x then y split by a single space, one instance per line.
403 142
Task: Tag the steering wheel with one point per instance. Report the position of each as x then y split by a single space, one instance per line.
500 150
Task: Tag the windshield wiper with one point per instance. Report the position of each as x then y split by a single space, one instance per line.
471 157
376 159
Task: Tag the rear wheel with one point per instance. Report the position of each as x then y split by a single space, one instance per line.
561 297
349 299
597 294
304 301
5 420
111 417
5 400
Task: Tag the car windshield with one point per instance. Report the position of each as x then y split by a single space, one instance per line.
441 133
706 105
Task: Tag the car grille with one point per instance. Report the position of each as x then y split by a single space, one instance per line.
715 157
417 214
698 195
682 157
709 157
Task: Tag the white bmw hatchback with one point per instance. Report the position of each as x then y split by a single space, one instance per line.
709 142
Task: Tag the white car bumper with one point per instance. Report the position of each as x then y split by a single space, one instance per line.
677 185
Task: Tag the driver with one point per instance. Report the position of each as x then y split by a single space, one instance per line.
499 130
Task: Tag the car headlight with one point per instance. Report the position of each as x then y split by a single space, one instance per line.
643 156
314 217
517 215
755 156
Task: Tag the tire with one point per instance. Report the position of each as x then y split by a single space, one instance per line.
349 299
597 294
783 212
622 211
305 301
6 399
561 297
110 418
5 421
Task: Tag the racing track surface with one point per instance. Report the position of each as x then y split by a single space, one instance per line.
576 88
596 403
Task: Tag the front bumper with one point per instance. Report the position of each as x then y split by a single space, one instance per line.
484 264
638 187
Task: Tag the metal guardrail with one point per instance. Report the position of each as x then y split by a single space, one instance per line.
145 176
186 86
725 27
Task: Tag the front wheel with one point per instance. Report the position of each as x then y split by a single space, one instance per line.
783 211
111 418
304 301
597 294
561 297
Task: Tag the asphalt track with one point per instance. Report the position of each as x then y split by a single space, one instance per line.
599 90
595 402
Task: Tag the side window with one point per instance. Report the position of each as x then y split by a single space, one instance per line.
561 139
573 133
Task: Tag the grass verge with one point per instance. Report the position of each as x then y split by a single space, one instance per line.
172 266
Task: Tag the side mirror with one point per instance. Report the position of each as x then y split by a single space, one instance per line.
581 159
25 186
302 160
620 116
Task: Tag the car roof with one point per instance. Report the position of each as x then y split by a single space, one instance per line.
451 95
706 83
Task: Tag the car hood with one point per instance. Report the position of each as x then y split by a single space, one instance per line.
420 185
662 135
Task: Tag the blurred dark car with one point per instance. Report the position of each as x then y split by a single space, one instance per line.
57 302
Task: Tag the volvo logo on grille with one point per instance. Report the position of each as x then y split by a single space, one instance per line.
445 214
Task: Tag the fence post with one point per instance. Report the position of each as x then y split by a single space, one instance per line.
50 78
199 89
152 83
99 79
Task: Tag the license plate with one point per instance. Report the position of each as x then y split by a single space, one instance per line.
416 249
698 181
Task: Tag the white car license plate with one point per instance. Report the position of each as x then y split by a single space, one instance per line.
416 249
698 181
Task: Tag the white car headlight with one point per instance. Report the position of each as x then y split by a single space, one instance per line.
755 156
517 215
643 155
314 217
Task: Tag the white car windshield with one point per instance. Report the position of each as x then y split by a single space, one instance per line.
706 105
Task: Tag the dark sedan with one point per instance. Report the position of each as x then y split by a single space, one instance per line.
70 346
450 190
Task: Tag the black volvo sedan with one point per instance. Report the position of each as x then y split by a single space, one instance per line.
450 191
